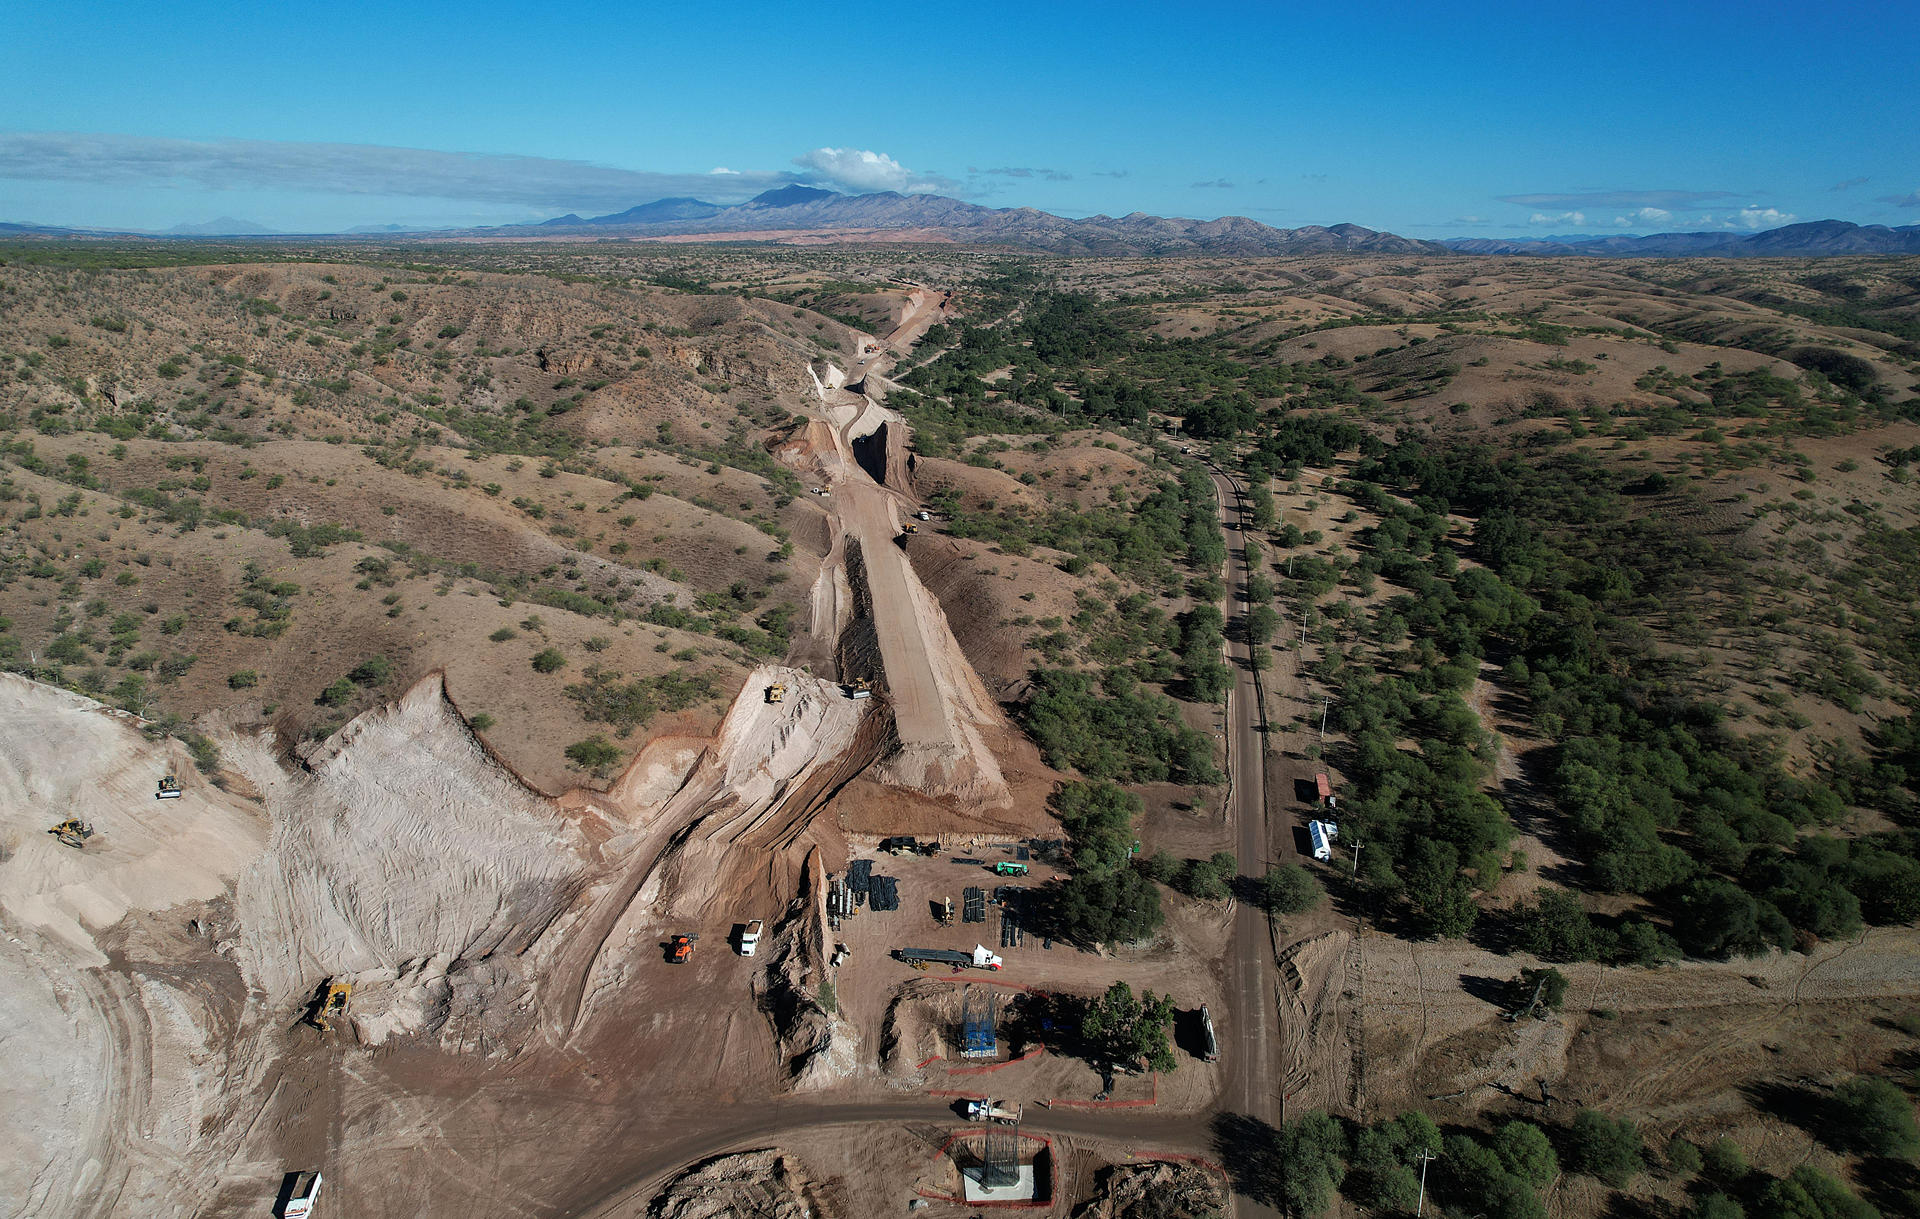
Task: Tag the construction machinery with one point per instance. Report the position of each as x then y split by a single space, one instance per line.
73 832
750 938
911 527
169 788
1209 1042
840 953
1007 868
777 692
302 1196
680 949
1006 1113
859 687
331 1005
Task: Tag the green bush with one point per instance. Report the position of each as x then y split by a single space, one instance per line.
549 660
245 679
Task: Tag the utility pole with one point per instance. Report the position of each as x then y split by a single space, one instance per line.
1356 872
1425 1155
1324 700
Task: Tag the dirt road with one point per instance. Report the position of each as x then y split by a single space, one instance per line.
1252 1087
757 1125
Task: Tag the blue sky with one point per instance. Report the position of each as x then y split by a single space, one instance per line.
1427 120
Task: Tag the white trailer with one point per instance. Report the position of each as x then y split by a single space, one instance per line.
750 937
1323 834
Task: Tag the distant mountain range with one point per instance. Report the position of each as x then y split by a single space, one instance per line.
807 209
939 218
1813 239
225 226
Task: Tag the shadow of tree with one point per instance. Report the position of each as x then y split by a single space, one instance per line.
1249 1149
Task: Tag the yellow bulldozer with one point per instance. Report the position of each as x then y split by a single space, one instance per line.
912 527
74 832
777 692
330 1005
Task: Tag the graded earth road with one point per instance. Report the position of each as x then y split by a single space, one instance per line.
1251 1079
919 711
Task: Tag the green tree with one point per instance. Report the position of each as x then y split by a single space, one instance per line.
1131 1032
1310 1164
1603 1147
1556 927
1715 1206
1290 889
1872 1116
1723 1162
1524 1148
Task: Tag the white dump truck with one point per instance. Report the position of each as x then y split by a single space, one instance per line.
750 937
994 1111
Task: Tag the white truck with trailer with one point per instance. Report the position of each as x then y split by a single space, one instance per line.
750 937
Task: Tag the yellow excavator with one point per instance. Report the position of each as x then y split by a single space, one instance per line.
330 1006
859 687
911 527
74 832
777 692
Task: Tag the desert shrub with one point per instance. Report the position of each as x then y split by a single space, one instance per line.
596 754
549 660
245 679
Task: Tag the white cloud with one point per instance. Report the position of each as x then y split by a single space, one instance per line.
1559 218
864 170
1645 217
351 169
721 169
1760 218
